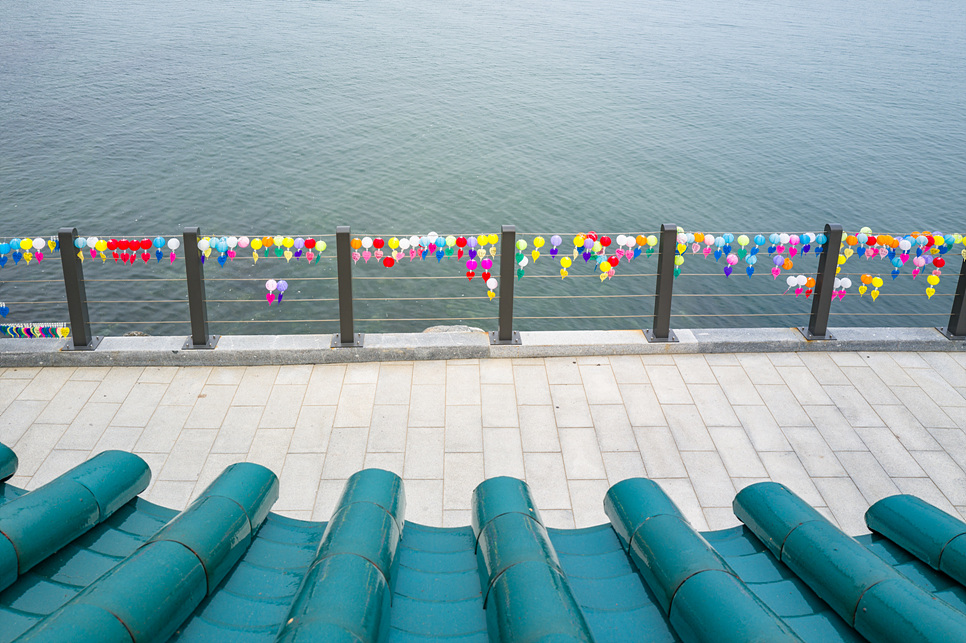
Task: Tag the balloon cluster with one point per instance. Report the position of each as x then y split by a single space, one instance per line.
271 285
591 246
26 249
29 331
782 249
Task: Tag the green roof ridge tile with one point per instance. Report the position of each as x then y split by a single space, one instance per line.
8 462
701 594
868 593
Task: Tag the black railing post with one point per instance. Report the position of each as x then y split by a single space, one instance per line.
346 337
197 301
824 285
957 318
80 321
667 248
508 269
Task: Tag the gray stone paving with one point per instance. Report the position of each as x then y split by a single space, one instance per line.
841 429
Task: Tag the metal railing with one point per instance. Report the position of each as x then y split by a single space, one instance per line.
817 328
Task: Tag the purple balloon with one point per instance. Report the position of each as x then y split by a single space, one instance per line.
299 243
555 240
471 242
282 286
778 260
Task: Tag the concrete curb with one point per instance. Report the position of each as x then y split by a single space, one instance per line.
251 350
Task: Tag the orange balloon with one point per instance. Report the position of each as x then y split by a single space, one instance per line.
788 264
866 279
356 244
810 283
698 237
641 240
851 239
267 241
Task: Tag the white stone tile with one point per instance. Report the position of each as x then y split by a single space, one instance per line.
942 393
762 429
456 517
327 498
502 453
173 494
887 369
947 367
737 386
923 407
499 406
562 370
17 418
35 445
892 456
558 519
623 465
741 483
57 462
116 385
870 478
908 429
256 386
587 498
721 359
538 429
395 383
786 468
908 360
387 461
641 405
463 385
600 386
163 429
944 471
325 385
269 448
835 428
424 453
312 429
695 370
362 373
581 454
210 409
759 368
237 430
720 518
846 504
294 374
429 372
424 501
823 368
462 473
117 438
355 406
803 385
141 403
688 428
67 403
346 453
710 480
464 429
547 479
628 369
872 388
814 452
188 455
388 429
737 452
847 359
88 427
496 371
656 359
46 384
20 372
299 482
669 386
784 359
614 432
682 493
284 404
158 374
783 405
185 386
660 452
428 405
9 390
222 375
531 385
714 407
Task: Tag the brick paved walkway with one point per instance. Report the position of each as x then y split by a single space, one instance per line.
841 429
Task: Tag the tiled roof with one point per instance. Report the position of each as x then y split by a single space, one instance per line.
83 559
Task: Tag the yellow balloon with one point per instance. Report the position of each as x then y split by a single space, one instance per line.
494 239
256 244
841 260
652 240
565 262
877 281
394 243
605 266
862 290
288 255
101 245
874 293
51 244
563 273
288 242
597 246
932 280
538 242
481 239
848 252
682 247
579 241
603 277
278 239
678 260
930 292
320 246
26 244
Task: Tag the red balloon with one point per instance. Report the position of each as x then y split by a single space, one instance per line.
613 260
124 244
930 241
486 275
871 241
470 274
388 262
378 243
145 256
605 241
591 235
116 256
145 244
112 244
310 243
461 242
939 262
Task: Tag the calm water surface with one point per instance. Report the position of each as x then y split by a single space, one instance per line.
244 117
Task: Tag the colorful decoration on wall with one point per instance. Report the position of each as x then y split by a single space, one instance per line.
35 330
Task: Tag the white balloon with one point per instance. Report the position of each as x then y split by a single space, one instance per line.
491 283
838 283
709 239
524 262
174 243
404 244
621 240
791 281
631 241
232 242
91 242
905 244
39 244
846 283
366 242
414 240
432 237
783 238
203 245
802 280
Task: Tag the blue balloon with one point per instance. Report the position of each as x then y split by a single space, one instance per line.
719 241
759 239
751 260
821 239
750 270
717 254
897 262
729 237
895 273
15 243
80 242
159 242
754 250
4 248
774 238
